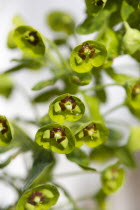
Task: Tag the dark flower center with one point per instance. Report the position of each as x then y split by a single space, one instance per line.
67 103
3 126
100 3
90 130
135 90
86 51
36 198
32 38
58 133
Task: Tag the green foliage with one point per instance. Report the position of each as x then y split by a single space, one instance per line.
112 178
87 55
29 41
39 198
61 21
76 105
56 137
66 107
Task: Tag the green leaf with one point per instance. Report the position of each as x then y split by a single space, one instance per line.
40 171
92 133
40 197
29 40
46 95
6 85
101 197
126 10
66 107
81 79
18 21
93 24
44 83
87 55
112 178
10 40
102 154
56 137
125 156
115 135
79 157
5 132
133 141
61 21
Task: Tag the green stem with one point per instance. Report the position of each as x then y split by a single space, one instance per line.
54 46
73 173
14 69
99 87
113 109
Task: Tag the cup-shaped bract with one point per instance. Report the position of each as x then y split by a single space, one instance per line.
39 198
56 137
131 40
61 21
88 55
5 131
112 178
92 134
66 107
29 40
94 6
133 96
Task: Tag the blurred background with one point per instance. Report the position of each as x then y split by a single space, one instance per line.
34 13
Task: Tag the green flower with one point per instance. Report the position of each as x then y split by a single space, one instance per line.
87 55
66 107
29 40
133 97
94 6
112 178
5 131
56 137
61 21
131 40
38 198
92 134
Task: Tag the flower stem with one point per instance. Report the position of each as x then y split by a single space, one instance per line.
69 174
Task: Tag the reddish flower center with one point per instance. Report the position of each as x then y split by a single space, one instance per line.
58 133
90 130
32 38
67 103
86 51
3 126
36 198
135 90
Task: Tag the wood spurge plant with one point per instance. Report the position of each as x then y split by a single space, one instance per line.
74 125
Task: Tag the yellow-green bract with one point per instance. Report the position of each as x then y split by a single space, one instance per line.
56 137
39 198
29 40
133 96
94 6
87 55
61 21
5 131
112 178
92 134
66 107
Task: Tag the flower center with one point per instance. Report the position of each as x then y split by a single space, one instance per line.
3 126
86 51
99 3
58 133
135 90
68 103
36 198
32 38
90 130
